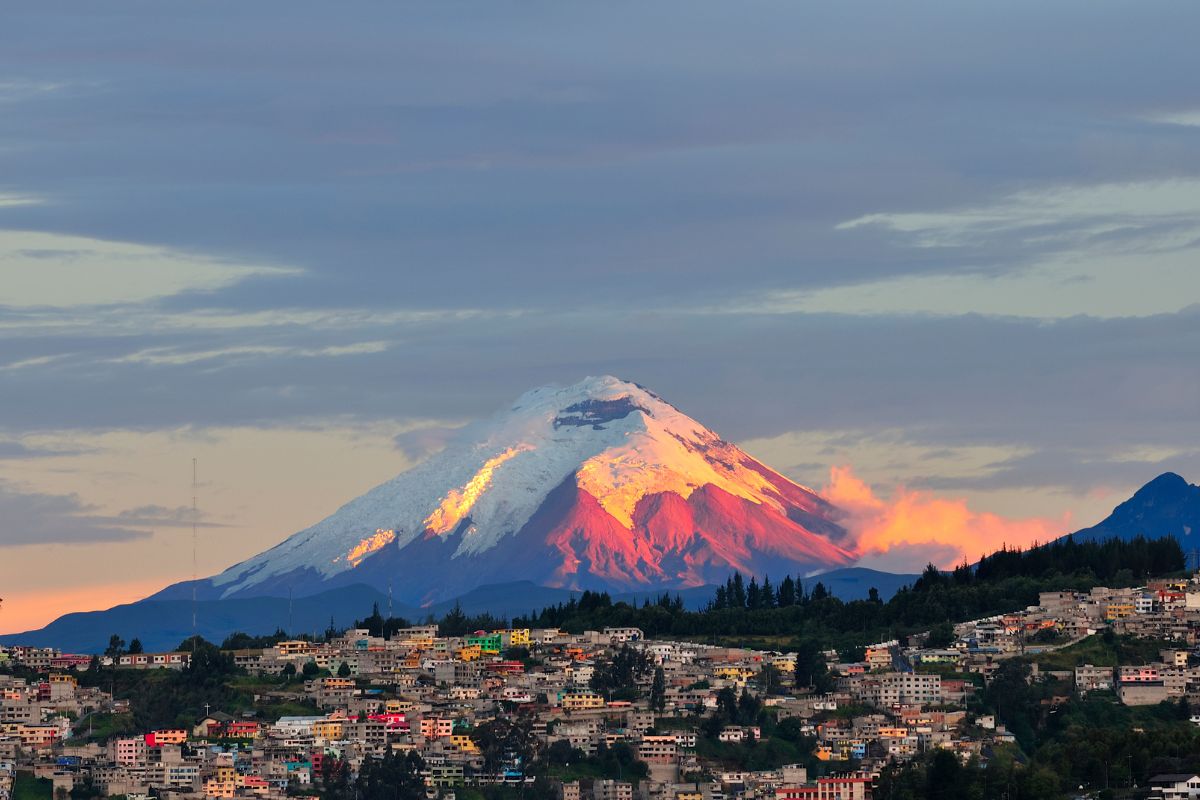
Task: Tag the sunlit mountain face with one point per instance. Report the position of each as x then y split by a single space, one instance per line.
601 484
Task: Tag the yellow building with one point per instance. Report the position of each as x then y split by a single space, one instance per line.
329 729
739 674
464 743
517 637
581 701
288 649
215 787
471 652
1118 611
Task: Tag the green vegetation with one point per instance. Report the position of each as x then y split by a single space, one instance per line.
396 776
761 616
102 727
1103 650
563 762
754 755
170 698
616 676
27 787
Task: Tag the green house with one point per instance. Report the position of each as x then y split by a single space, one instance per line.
488 642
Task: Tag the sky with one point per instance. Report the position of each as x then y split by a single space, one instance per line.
939 259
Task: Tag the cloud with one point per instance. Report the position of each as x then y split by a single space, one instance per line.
33 518
472 204
30 518
912 528
420 443
1073 469
1190 118
8 200
15 449
156 516
58 270
1106 250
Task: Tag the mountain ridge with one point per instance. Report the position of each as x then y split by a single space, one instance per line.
1166 506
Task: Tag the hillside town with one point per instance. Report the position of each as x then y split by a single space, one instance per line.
679 717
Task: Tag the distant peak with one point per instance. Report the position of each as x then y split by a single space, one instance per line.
601 385
593 388
1168 482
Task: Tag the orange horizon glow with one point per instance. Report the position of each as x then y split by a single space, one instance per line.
923 522
30 610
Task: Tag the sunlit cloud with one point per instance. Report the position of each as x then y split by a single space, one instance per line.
912 528
12 200
13 91
173 356
59 270
1065 213
1108 250
1190 119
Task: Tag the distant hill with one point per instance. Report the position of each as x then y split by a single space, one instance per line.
1166 506
855 583
163 622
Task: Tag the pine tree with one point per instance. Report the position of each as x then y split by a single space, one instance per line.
767 594
738 598
753 595
787 592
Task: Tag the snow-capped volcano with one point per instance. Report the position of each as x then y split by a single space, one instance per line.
597 485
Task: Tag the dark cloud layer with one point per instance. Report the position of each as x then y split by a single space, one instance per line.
541 155
604 186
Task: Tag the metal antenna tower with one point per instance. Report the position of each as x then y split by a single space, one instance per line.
194 512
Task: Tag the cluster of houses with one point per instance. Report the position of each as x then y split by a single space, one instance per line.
1167 610
416 690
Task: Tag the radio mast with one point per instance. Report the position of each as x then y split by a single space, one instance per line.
194 512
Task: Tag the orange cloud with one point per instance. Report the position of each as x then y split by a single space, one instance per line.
29 610
913 527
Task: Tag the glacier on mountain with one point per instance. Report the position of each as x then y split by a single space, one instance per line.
618 442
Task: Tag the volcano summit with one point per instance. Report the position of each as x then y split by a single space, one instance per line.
599 485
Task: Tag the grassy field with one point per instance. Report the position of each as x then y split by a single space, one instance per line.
27 787
1097 651
101 727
